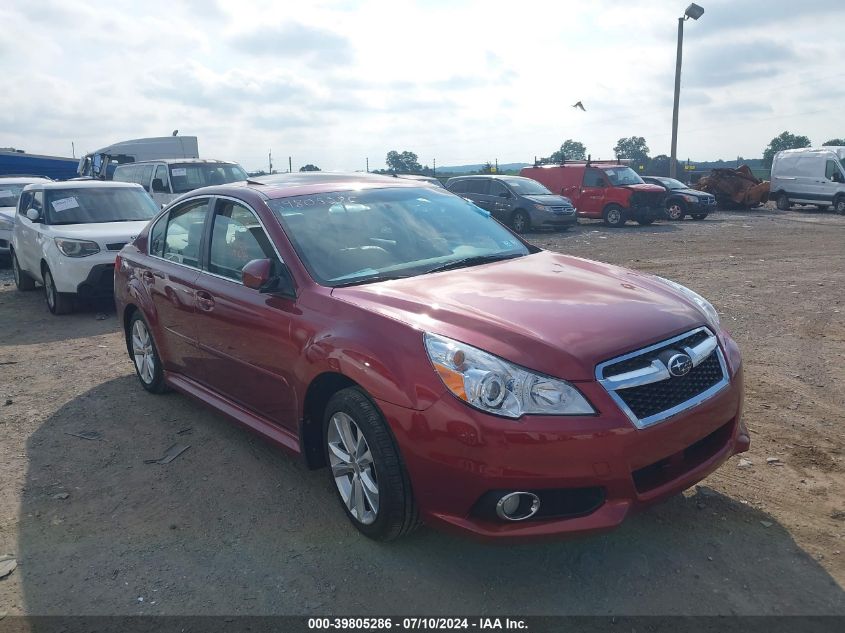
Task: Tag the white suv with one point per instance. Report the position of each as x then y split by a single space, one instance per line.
67 235
10 191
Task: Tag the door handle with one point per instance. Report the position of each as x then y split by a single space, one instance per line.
205 301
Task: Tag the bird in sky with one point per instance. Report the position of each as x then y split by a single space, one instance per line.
579 105
175 132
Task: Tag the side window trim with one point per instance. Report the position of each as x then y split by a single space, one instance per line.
206 254
203 244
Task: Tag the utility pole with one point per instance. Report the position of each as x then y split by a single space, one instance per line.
497 165
73 149
270 160
693 11
434 166
290 165
368 164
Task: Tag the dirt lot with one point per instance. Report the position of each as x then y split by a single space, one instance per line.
233 526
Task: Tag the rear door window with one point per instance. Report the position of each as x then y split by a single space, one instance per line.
593 178
479 186
145 176
184 234
458 187
498 189
161 177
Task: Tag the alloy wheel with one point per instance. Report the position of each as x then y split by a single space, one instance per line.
50 290
143 352
675 211
353 469
614 216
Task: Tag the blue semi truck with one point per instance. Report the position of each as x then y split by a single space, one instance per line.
16 162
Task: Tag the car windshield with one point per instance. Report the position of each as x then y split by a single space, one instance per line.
190 176
622 176
527 187
105 204
671 183
359 236
9 194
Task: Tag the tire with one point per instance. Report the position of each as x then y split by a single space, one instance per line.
783 202
23 282
646 221
614 216
57 302
144 355
520 221
376 475
839 204
699 216
676 210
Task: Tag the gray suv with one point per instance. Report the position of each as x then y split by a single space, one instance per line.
522 203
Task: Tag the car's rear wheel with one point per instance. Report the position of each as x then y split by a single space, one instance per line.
783 202
145 355
57 302
366 468
614 215
676 209
520 221
23 281
699 216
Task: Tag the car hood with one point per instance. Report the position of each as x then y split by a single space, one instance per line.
646 187
105 232
692 192
8 212
550 200
552 313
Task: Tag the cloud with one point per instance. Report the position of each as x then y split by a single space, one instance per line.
722 64
294 40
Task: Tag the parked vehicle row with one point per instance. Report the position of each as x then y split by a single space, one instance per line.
167 179
10 191
402 338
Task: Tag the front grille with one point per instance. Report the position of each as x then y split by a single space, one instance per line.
115 246
562 210
646 391
648 400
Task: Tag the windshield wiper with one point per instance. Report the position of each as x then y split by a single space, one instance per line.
475 260
366 280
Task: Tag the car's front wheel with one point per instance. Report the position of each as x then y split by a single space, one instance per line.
23 281
366 468
839 204
145 355
676 210
57 302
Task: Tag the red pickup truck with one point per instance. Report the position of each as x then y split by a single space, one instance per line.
609 191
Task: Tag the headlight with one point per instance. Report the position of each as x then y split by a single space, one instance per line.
6 224
540 207
496 386
77 248
690 198
701 302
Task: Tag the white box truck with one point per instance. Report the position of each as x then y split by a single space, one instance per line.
809 176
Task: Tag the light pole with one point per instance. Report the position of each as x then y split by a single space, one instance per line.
693 11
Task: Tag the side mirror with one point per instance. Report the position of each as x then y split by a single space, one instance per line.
258 274
33 215
158 186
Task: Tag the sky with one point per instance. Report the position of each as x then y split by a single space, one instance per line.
457 82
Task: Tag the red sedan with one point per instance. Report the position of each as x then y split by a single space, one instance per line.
443 369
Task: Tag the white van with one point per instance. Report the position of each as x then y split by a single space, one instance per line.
167 179
809 176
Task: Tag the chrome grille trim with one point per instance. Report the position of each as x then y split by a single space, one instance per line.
657 372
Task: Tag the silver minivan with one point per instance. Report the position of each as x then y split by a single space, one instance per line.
167 179
809 176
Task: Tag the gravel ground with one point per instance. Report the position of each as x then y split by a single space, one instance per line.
233 526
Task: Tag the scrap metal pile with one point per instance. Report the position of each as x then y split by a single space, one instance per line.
735 188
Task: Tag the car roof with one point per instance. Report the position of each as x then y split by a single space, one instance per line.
23 179
171 161
84 184
489 176
275 186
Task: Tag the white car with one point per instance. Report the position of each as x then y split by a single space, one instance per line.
10 191
67 235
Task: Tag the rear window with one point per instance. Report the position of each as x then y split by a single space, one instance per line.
190 176
92 205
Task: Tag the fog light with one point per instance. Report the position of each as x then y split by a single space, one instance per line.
517 506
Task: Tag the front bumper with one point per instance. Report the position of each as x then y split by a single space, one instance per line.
544 219
645 213
455 455
702 206
87 276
